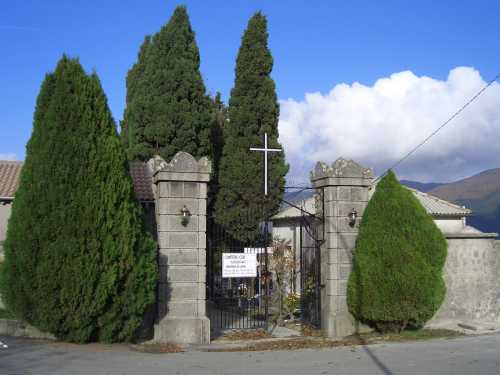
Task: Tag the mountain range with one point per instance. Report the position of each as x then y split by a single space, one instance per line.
480 193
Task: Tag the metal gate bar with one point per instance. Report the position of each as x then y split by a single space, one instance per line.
236 303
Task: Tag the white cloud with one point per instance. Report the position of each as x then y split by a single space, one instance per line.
377 125
8 156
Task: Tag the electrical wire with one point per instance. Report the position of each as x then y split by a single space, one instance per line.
460 110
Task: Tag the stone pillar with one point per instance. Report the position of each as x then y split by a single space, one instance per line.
181 316
343 186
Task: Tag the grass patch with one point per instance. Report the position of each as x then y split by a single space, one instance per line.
410 335
5 314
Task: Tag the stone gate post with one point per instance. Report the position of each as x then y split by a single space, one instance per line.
343 186
181 187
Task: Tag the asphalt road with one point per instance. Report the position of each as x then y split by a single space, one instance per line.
468 356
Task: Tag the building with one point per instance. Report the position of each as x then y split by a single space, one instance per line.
9 180
449 217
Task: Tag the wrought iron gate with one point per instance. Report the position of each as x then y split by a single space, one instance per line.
310 269
303 221
237 302
244 302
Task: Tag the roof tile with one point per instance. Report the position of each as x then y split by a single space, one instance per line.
143 181
9 177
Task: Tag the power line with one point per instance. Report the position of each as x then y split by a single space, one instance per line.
439 128
294 194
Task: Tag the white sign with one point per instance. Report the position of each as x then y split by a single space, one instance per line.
239 265
258 250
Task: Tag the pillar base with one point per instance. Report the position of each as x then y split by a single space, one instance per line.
339 326
174 330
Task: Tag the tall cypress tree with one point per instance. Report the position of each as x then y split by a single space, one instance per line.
136 103
253 111
78 262
219 121
170 110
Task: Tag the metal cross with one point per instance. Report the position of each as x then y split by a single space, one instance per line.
265 150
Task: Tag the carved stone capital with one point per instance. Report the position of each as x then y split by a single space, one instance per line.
341 170
183 166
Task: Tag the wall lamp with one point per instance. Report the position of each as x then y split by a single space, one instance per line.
185 215
353 215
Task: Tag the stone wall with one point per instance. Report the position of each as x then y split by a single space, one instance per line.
5 209
17 328
472 276
471 272
181 314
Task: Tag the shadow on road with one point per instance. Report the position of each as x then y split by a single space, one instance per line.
373 357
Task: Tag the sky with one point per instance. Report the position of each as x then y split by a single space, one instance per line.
366 80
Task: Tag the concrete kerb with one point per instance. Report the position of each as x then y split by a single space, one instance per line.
470 328
227 345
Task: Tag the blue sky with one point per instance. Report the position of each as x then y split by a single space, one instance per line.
317 46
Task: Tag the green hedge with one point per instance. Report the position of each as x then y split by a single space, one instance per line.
398 261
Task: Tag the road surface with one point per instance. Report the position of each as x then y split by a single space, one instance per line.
460 356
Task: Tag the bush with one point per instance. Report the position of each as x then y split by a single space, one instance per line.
78 262
397 265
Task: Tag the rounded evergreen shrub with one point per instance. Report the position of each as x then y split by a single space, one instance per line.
398 261
78 262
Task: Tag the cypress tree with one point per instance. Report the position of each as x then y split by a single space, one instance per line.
253 110
135 100
78 262
398 262
219 121
169 110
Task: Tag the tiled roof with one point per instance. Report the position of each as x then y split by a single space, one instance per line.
143 180
434 206
140 173
9 177
306 206
439 207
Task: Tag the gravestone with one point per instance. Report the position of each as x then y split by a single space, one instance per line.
181 207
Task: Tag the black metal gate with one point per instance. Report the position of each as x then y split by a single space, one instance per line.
302 221
310 269
245 302
237 302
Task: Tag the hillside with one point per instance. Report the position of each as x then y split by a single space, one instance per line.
481 193
477 187
421 186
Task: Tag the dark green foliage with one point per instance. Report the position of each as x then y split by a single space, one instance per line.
397 266
135 100
253 110
220 118
77 260
167 107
